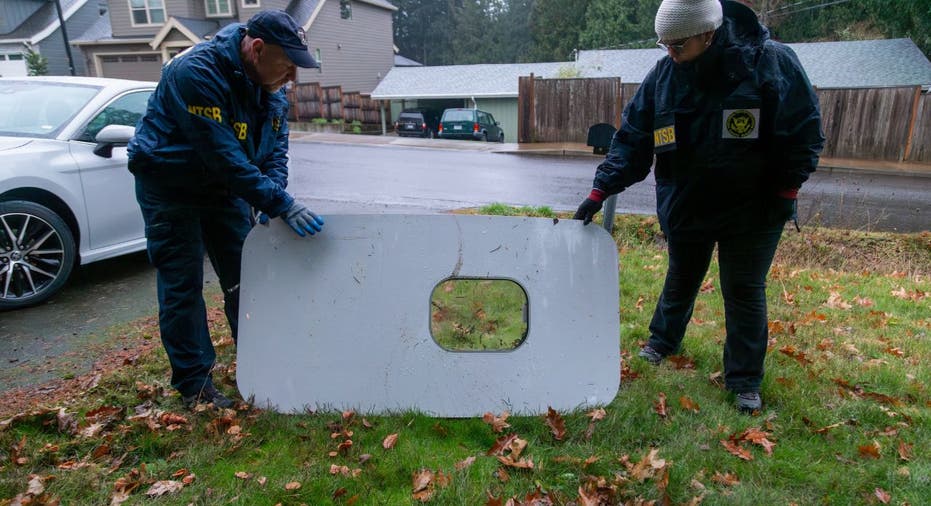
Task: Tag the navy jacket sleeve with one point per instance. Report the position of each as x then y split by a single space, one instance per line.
631 153
275 166
199 97
797 138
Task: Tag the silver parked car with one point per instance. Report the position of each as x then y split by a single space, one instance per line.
66 197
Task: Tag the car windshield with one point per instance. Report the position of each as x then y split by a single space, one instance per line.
416 116
457 116
40 109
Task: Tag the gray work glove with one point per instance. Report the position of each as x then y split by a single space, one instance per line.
302 220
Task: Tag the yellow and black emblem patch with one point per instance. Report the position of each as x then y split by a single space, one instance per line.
276 124
241 129
664 136
741 124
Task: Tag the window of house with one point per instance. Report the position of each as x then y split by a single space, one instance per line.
218 8
15 57
318 56
345 9
147 12
2 57
248 4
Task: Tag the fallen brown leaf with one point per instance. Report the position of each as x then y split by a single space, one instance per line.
390 441
160 488
659 406
726 479
905 451
688 404
737 450
556 424
462 464
871 450
498 423
882 495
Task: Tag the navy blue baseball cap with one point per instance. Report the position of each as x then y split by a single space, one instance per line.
279 28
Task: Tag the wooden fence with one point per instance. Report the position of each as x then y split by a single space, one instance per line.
310 101
890 124
920 148
561 110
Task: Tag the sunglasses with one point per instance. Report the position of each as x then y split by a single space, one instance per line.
675 46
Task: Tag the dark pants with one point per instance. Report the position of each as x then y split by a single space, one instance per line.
744 262
180 227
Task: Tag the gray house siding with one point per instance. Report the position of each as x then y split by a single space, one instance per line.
13 13
95 56
121 16
264 5
53 46
355 53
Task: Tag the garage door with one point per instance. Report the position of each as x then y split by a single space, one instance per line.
12 65
144 67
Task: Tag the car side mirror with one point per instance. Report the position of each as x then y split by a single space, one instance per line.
497 123
111 136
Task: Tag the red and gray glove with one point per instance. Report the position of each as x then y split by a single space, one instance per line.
590 206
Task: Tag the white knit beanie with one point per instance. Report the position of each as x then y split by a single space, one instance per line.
678 19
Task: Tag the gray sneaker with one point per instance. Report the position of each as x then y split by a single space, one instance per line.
650 355
749 402
207 395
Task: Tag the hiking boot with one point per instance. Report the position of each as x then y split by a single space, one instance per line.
207 395
749 402
650 355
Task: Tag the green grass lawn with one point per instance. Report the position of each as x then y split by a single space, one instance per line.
846 419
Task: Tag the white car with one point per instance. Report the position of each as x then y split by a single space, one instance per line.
66 196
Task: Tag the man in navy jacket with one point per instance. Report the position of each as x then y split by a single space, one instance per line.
212 145
735 129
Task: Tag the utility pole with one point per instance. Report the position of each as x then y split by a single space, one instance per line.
64 35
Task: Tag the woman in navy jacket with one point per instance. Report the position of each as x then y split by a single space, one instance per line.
735 129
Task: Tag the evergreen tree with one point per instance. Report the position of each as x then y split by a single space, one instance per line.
619 24
422 30
36 64
471 33
556 26
513 25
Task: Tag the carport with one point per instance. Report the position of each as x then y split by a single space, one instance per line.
492 88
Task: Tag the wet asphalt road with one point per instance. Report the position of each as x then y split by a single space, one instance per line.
349 178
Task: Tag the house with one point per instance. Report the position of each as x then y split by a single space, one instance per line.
494 87
36 23
489 87
352 39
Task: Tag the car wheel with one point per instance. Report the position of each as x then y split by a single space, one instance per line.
484 136
501 138
37 253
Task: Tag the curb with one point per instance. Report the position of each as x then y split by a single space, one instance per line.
571 150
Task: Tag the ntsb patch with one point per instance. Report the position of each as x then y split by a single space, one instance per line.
664 139
741 124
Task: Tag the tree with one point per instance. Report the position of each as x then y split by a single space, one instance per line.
826 20
513 27
555 27
472 34
36 64
422 30
619 24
